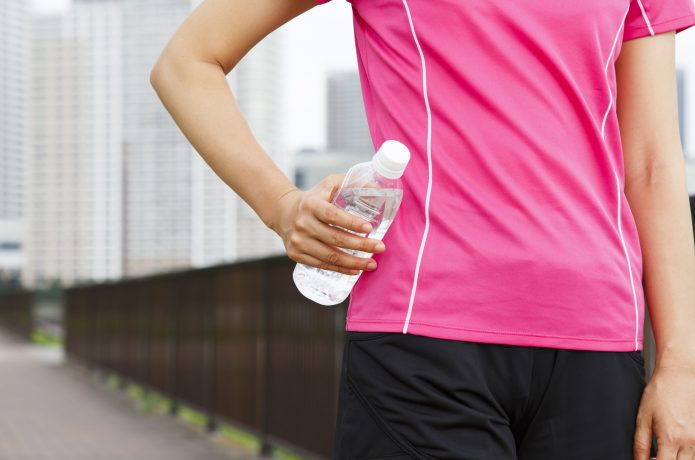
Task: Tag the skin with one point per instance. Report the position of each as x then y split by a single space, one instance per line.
189 78
656 188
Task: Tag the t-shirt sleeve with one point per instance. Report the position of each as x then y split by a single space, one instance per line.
650 17
322 1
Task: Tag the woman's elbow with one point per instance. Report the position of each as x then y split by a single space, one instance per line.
168 73
158 72
174 70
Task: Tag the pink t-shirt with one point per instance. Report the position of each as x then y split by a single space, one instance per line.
514 228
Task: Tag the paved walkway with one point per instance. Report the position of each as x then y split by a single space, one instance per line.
51 411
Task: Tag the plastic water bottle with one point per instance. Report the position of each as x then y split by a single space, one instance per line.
373 191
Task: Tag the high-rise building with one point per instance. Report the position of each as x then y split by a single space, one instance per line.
177 212
312 166
73 174
347 122
157 157
13 25
115 189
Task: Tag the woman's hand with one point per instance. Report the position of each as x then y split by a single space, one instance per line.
667 408
305 221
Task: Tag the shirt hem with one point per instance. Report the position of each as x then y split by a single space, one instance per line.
495 337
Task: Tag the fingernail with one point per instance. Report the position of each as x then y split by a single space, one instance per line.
367 227
371 265
380 246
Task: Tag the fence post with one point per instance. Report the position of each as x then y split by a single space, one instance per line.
266 448
211 353
173 350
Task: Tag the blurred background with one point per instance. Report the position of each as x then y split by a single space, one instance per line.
98 183
123 254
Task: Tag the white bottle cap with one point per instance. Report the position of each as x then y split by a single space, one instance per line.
391 159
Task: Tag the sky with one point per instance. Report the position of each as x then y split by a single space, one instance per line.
321 40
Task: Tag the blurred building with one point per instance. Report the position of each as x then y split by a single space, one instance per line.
177 212
349 140
74 156
347 122
157 157
13 47
311 165
115 189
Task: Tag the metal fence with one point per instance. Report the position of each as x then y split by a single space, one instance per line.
238 342
16 313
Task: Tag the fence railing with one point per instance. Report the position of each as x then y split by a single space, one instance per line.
238 342
16 312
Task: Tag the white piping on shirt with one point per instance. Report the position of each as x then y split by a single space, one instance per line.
646 18
429 168
627 257
605 73
617 179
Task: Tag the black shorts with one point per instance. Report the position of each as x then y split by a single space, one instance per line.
405 396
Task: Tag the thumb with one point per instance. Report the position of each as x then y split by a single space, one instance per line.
330 186
643 437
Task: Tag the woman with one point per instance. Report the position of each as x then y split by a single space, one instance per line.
505 319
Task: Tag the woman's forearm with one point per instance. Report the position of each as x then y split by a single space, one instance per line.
197 96
659 202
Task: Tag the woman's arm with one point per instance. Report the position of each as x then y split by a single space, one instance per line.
655 186
189 78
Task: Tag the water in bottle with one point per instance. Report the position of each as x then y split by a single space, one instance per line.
373 191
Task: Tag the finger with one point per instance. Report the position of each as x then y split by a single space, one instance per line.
643 438
312 261
333 215
338 237
334 256
330 185
666 452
